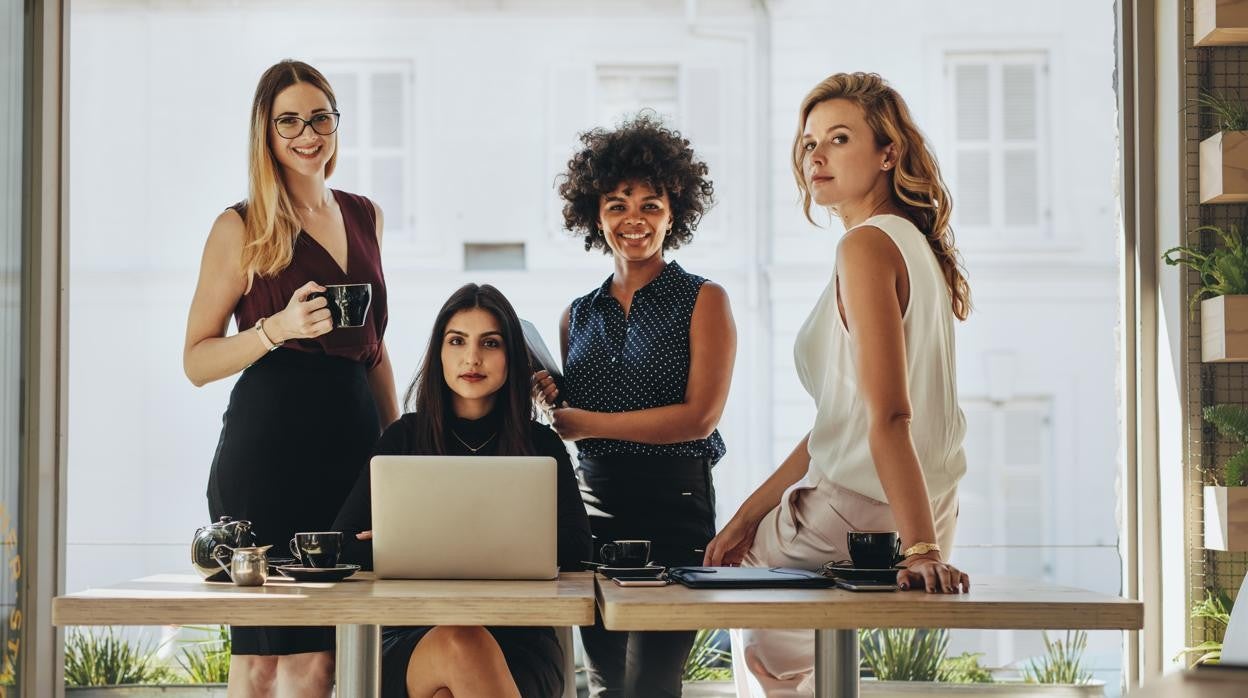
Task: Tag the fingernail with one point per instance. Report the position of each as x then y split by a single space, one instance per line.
905 587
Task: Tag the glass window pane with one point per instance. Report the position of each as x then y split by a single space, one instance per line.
1022 200
346 174
387 107
493 256
11 55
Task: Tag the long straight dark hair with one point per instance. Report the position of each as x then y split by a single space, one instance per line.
429 397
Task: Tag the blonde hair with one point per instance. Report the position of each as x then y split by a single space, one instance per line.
271 224
917 186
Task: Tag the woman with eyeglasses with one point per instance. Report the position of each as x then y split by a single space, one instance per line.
312 398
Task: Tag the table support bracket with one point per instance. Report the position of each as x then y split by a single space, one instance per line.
357 669
836 663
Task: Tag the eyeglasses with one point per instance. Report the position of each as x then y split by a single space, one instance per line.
291 127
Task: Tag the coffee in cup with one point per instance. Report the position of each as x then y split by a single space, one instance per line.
317 548
873 550
626 553
347 303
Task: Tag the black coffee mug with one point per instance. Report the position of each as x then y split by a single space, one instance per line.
317 549
874 550
626 553
347 303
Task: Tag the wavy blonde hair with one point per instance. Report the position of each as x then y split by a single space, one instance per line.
271 224
918 189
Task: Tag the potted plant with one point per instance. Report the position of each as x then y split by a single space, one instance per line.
1222 296
106 665
1226 500
1215 610
1224 155
905 662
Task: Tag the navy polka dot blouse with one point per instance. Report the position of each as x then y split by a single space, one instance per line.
619 365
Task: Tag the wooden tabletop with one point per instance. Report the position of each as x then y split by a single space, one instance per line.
993 602
176 599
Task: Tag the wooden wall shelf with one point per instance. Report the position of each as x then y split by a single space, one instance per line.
1220 23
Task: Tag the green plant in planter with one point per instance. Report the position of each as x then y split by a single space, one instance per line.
964 668
706 661
903 654
1223 270
1215 609
1229 112
1231 422
108 659
1062 661
208 660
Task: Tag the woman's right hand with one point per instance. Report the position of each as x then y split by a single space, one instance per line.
302 318
729 547
544 389
364 535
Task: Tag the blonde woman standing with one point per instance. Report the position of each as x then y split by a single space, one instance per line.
311 401
877 355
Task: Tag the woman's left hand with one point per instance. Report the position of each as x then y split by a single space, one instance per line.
570 423
928 571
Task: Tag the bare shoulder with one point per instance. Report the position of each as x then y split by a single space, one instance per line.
868 246
380 218
713 295
228 232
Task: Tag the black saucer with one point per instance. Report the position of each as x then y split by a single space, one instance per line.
299 573
652 570
885 575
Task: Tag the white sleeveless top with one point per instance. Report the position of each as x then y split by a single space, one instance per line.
839 451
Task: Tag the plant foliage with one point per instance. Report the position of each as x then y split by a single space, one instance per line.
1215 610
1062 661
1223 270
1231 421
706 661
904 654
106 659
1228 111
964 668
208 660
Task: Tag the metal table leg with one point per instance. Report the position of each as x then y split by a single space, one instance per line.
357 667
836 663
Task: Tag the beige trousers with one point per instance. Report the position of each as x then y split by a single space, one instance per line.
807 530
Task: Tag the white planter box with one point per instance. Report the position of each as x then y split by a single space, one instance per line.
1226 518
1004 689
206 690
709 689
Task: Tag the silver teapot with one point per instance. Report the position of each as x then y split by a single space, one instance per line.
246 567
226 531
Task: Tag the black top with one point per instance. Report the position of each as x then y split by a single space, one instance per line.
399 440
620 364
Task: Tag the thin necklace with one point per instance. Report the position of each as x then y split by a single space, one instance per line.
470 448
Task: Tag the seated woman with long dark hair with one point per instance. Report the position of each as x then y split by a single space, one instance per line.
471 397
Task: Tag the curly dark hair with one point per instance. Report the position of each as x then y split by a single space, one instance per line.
642 149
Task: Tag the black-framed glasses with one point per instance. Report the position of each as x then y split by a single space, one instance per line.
291 127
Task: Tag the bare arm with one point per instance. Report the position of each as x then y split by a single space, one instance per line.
712 351
871 275
209 355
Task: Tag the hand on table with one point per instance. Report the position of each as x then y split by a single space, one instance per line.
729 547
928 572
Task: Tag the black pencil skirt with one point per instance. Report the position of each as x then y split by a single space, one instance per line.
298 429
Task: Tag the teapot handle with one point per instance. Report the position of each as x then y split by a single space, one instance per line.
216 555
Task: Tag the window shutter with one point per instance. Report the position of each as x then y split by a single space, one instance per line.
569 104
972 203
702 121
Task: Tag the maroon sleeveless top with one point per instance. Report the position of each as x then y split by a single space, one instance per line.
311 262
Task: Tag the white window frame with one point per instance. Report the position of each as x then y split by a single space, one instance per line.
997 234
360 119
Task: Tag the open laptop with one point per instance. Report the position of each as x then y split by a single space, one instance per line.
464 517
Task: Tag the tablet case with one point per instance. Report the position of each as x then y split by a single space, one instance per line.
749 578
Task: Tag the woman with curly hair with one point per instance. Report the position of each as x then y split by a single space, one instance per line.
647 361
877 355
